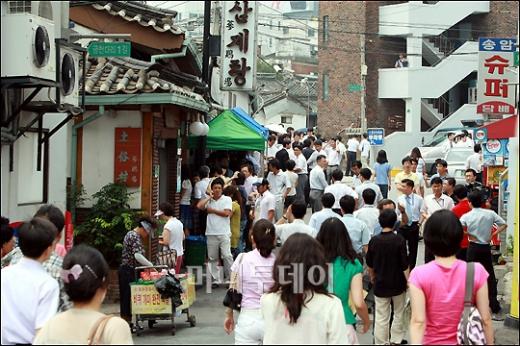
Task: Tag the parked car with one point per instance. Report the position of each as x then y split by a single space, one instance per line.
456 159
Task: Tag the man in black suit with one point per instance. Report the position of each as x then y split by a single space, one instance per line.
283 154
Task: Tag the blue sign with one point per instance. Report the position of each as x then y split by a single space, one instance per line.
376 136
490 44
496 152
480 135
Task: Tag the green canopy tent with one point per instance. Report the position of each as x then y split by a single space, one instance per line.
228 131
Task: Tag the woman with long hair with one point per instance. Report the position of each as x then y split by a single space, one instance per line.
347 273
254 270
299 309
421 169
382 171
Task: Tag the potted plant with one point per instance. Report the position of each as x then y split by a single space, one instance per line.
108 222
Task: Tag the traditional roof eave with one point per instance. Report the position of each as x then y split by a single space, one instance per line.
149 98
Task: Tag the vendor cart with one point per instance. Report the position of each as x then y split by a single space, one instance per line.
147 304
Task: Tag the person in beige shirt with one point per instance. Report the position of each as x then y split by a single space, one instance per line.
85 276
316 319
406 173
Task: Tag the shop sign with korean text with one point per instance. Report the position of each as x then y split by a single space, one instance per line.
127 160
239 30
495 87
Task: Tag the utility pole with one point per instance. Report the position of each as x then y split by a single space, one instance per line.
205 49
363 73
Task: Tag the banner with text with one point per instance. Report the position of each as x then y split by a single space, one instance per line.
239 26
496 78
127 160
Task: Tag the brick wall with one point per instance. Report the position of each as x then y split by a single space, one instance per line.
340 58
303 68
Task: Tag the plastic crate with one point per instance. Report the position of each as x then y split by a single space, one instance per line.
195 252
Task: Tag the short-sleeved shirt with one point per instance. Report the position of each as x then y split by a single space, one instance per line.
318 217
338 189
62 329
255 275
402 176
358 232
387 257
479 222
437 175
352 145
317 179
200 188
278 183
216 224
176 229
301 162
364 147
475 162
432 204
297 226
382 170
265 203
343 271
369 214
460 209
188 189
29 298
444 290
368 185
132 244
293 179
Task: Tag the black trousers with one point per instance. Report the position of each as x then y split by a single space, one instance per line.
411 235
481 253
126 276
462 254
351 157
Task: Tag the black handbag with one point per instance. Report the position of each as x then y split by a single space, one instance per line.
233 298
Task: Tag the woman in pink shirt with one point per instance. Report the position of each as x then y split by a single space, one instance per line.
255 275
437 288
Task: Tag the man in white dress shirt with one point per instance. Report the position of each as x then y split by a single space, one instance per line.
292 222
364 148
474 161
333 158
318 183
436 201
265 205
272 147
30 296
318 150
365 174
327 200
338 190
369 213
352 149
280 186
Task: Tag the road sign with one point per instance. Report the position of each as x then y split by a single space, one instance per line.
376 136
355 87
98 49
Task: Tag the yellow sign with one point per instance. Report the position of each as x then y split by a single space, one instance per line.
147 301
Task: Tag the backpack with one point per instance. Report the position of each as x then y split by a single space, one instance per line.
470 330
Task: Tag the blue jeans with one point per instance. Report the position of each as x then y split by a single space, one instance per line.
384 190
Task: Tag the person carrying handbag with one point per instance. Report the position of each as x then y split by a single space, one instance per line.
252 275
438 289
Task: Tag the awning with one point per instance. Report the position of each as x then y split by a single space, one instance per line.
231 131
504 128
250 121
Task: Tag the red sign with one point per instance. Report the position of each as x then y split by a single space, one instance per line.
127 159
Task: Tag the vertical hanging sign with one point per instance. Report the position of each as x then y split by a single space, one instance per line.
127 160
495 87
239 31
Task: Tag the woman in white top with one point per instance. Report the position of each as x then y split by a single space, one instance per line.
421 169
185 204
254 271
85 274
299 309
173 233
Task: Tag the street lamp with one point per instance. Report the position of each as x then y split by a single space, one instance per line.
305 82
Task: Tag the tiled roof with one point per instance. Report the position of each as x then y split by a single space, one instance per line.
133 11
129 76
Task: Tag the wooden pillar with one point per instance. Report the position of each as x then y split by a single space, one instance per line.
146 169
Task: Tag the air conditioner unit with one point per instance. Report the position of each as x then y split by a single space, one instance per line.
28 48
69 84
